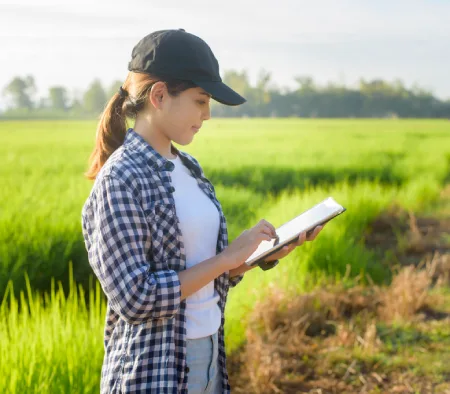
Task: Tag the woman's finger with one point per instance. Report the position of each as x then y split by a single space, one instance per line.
271 228
315 233
283 252
267 232
301 239
265 224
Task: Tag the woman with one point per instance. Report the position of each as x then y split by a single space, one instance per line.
154 230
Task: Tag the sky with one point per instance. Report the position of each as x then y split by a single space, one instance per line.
72 42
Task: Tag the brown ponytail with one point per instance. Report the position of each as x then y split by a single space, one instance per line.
112 126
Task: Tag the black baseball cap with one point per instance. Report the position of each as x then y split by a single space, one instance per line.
177 54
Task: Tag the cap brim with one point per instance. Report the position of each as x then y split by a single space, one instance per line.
221 92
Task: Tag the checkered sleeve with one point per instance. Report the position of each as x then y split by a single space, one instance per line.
120 241
235 280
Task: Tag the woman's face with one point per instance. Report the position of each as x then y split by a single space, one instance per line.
182 116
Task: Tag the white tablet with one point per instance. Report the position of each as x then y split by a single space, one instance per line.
290 231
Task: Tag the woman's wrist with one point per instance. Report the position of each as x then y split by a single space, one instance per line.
223 262
242 269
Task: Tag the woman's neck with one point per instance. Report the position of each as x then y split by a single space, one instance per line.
154 137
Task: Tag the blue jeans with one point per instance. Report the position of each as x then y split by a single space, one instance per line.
204 376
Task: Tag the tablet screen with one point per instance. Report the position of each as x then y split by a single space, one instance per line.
307 220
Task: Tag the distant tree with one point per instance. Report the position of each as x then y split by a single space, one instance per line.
305 83
58 98
238 81
262 87
372 98
77 109
43 103
20 92
94 98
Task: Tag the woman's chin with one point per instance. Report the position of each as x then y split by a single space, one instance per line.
185 140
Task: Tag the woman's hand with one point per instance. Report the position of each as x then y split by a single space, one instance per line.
301 240
243 246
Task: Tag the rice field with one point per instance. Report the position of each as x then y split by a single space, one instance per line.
51 331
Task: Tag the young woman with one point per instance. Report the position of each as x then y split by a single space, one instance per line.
154 230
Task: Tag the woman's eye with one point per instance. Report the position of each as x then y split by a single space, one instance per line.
201 102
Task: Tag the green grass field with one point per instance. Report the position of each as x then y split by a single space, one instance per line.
262 168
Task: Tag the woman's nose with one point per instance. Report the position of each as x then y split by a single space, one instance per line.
207 114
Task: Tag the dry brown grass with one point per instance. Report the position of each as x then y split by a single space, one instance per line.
328 341
412 239
286 335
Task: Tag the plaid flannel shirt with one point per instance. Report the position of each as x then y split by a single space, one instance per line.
135 248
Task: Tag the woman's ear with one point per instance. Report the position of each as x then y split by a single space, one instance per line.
157 94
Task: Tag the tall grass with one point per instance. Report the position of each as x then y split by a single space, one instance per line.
43 188
274 169
51 343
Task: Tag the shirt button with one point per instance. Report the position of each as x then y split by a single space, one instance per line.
187 369
171 189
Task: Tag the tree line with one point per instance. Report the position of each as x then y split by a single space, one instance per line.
372 98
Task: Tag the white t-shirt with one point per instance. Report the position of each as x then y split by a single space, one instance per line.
199 222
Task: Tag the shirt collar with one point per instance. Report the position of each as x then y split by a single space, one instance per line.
153 158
